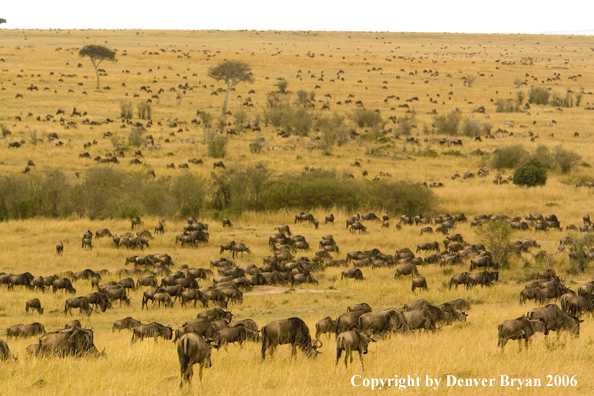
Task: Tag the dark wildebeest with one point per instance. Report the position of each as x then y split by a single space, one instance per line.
575 305
216 313
203 328
59 248
34 304
78 302
227 223
460 279
192 349
151 330
460 304
419 283
519 329
24 279
135 221
533 293
102 233
237 334
359 307
87 243
556 320
419 319
329 219
390 320
118 293
349 341
406 269
292 331
68 342
352 273
148 281
5 352
247 323
326 325
126 323
347 320
22 330
164 298
64 284
196 295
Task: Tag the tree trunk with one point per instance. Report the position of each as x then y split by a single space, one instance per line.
96 66
226 99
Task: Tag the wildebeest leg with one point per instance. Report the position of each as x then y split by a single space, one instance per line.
293 349
338 354
502 342
520 345
361 358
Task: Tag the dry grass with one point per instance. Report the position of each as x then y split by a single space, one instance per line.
467 350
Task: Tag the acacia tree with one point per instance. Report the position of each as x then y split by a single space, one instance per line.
97 54
232 73
2 20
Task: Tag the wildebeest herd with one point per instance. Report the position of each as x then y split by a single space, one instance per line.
353 329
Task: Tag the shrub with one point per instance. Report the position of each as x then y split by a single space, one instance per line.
577 253
469 79
145 111
216 143
530 174
565 159
293 120
126 110
282 85
136 137
509 157
578 97
5 131
506 106
302 97
367 118
241 118
332 131
496 236
405 124
447 124
518 82
520 96
559 100
470 127
545 157
538 95
206 118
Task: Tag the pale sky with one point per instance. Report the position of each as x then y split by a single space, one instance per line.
497 16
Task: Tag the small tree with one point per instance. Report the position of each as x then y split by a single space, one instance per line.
566 159
469 79
126 111
496 236
232 73
282 85
538 95
97 54
447 124
531 174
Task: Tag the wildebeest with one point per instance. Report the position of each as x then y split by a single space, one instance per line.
359 307
237 334
60 248
118 293
151 330
419 283
191 350
418 320
126 323
33 304
216 313
352 273
533 293
482 261
406 269
25 330
382 322
556 320
349 341
196 295
460 279
72 324
204 328
5 352
77 302
164 298
292 331
326 325
68 342
135 222
519 329
575 305
102 233
347 320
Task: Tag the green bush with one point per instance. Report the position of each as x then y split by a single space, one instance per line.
367 118
145 111
530 174
126 111
282 85
447 124
136 137
538 95
559 100
566 159
496 236
216 143
509 157
506 106
470 127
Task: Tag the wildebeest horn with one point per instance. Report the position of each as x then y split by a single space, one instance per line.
315 345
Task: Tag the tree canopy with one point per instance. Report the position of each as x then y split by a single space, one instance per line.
97 54
232 73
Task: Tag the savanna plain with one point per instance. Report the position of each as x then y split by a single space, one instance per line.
403 82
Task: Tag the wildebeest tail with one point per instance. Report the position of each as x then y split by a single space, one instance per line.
184 359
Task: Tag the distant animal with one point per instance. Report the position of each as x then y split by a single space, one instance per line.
154 330
349 341
33 304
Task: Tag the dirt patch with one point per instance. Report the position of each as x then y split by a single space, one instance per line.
261 290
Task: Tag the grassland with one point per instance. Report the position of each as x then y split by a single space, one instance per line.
175 57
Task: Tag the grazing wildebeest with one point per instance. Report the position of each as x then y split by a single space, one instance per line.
352 273
102 233
419 283
216 313
359 307
349 341
126 323
59 248
33 304
25 330
406 269
556 320
418 320
196 295
135 222
533 293
72 324
519 329
192 349
152 330
326 325
292 331
227 223
329 219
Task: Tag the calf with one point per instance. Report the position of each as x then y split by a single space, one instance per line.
349 341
